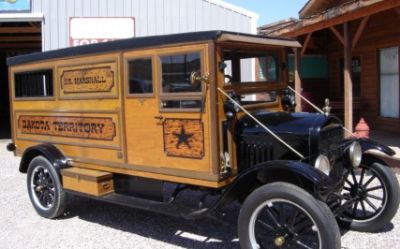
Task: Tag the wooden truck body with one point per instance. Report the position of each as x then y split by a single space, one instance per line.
206 110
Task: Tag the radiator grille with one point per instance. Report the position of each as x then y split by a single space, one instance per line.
329 143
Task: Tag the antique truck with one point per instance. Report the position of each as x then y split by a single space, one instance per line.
206 111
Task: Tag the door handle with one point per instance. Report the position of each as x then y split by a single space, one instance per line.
160 117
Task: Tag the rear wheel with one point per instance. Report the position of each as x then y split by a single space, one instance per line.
282 215
45 189
371 195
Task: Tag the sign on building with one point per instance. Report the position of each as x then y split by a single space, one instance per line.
89 30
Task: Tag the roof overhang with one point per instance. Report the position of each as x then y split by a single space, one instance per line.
313 7
335 16
21 17
259 40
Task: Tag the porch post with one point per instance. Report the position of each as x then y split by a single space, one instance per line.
297 78
348 83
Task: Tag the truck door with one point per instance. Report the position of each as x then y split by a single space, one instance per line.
166 118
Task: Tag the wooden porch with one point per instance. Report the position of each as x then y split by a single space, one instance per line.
349 34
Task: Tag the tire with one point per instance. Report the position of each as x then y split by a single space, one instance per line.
288 211
45 190
371 214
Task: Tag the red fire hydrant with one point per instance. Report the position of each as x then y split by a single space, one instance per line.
362 129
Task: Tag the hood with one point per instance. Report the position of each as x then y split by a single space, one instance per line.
299 123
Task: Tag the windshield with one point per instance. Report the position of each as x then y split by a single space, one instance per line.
249 66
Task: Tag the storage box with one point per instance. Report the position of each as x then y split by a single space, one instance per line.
92 182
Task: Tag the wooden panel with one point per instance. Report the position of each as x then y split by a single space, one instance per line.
141 124
86 181
97 78
90 175
85 129
64 120
94 80
184 138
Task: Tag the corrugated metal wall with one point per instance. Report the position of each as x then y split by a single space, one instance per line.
152 17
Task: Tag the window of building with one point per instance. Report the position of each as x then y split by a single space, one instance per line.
140 76
175 81
312 67
389 82
35 84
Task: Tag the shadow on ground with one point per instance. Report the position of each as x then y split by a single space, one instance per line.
195 234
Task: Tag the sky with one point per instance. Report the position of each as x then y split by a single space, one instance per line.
271 10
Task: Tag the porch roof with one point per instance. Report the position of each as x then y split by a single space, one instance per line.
313 7
331 17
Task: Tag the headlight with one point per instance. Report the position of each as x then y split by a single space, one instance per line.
355 154
322 163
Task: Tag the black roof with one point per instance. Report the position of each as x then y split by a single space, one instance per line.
137 42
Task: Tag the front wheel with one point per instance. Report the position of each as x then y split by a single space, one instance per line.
45 189
282 215
371 195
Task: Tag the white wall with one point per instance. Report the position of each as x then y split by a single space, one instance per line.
153 17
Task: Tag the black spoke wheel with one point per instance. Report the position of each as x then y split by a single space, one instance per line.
281 215
370 197
45 189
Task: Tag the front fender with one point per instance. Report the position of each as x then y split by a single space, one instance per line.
298 173
368 144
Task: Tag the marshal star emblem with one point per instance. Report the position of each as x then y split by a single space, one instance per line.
183 138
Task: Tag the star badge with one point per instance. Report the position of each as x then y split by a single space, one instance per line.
183 137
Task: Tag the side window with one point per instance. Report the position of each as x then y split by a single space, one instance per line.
177 91
140 76
176 70
34 84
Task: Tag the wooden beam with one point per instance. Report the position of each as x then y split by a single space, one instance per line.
325 21
337 34
34 24
18 30
297 78
348 83
305 45
21 45
397 10
20 39
360 30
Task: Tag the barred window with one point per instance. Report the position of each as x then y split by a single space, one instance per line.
34 84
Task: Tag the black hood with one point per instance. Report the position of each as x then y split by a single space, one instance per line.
300 130
299 123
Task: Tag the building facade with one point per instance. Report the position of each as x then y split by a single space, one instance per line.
39 25
350 54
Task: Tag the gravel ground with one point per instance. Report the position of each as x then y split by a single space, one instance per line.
91 224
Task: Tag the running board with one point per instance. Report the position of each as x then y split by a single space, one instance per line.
150 205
